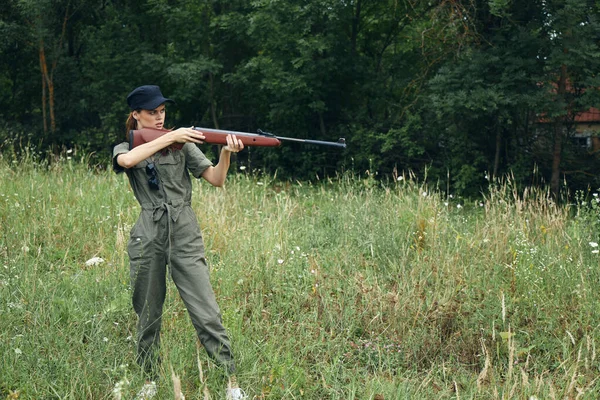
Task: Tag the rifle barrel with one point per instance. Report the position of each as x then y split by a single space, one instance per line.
340 143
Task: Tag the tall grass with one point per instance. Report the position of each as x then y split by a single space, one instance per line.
342 289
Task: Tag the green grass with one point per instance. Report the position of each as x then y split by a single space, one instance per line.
342 289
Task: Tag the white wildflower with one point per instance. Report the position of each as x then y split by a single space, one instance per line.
242 168
593 244
280 261
118 389
18 351
94 261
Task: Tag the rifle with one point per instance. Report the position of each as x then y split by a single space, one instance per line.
218 136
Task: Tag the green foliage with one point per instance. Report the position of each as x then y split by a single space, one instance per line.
395 78
500 8
494 93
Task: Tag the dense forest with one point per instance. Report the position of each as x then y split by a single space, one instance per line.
461 92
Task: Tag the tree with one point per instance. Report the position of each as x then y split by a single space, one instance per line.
41 18
519 70
570 32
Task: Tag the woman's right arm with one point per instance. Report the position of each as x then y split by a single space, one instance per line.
141 152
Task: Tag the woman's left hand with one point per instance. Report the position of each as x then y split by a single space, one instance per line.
234 144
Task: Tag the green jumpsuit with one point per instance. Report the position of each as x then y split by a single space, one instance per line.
167 233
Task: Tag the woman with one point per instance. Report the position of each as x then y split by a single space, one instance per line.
167 233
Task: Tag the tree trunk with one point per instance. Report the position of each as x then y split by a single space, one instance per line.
556 156
44 72
498 149
51 106
47 83
213 103
322 125
213 110
559 134
355 26
47 76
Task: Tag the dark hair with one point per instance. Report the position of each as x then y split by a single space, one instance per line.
130 124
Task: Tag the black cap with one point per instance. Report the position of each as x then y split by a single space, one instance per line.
146 97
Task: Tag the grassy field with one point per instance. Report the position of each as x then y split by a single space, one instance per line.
338 290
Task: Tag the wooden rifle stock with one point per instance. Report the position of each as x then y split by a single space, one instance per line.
218 136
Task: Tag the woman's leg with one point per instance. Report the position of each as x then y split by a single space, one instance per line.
191 276
148 282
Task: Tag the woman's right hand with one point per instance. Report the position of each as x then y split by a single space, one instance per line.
187 135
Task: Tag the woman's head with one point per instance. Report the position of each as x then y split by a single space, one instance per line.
147 106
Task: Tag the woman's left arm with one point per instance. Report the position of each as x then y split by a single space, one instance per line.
216 175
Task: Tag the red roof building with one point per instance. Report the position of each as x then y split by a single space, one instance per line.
591 115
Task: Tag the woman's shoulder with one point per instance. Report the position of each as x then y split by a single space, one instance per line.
119 149
121 146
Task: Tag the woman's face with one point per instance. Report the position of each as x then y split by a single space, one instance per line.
154 119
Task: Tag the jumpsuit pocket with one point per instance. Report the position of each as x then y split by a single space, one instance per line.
170 164
135 250
171 158
138 248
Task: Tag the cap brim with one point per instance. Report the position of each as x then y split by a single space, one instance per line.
154 103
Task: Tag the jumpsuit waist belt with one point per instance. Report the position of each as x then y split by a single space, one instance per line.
172 209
